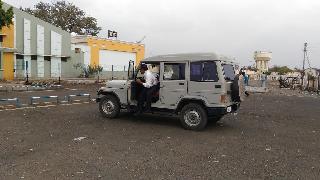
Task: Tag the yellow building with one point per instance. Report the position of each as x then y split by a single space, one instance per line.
110 54
7 51
33 48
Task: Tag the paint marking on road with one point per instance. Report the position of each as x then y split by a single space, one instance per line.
41 106
51 105
46 106
13 108
21 108
76 103
30 107
37 97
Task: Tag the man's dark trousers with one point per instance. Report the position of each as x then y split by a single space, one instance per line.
146 95
142 98
150 92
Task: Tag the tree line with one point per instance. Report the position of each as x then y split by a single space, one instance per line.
67 16
61 13
5 16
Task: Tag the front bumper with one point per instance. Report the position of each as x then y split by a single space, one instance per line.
219 111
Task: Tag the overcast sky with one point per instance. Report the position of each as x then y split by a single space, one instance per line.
231 27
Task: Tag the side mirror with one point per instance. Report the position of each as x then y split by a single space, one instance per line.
131 70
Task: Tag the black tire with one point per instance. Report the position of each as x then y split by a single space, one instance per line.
109 106
193 117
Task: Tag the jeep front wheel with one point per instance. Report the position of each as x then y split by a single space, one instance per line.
193 117
109 106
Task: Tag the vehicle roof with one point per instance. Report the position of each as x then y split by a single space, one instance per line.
188 57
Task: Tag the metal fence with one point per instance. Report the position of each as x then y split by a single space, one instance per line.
109 72
114 72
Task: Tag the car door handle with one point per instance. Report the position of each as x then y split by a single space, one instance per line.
217 86
181 84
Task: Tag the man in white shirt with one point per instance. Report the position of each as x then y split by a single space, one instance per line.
149 87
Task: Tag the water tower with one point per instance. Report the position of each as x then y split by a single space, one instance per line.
262 59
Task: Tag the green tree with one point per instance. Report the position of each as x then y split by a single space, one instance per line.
67 16
282 70
6 16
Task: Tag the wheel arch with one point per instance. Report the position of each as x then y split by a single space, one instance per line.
186 101
110 93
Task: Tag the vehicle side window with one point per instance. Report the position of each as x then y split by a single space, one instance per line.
203 71
196 71
174 71
210 71
229 73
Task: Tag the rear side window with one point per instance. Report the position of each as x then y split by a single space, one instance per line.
228 70
203 71
174 71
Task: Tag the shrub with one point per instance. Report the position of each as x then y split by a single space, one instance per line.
88 71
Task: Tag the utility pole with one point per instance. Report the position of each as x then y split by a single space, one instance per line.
305 54
305 51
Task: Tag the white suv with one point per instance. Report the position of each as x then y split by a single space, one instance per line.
196 87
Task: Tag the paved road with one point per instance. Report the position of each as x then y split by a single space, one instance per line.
273 137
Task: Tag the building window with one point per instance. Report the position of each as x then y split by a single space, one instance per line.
64 59
203 71
19 56
34 57
1 38
77 50
47 58
174 71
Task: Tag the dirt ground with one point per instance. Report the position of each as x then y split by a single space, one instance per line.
274 136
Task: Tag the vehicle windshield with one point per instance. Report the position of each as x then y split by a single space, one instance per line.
229 73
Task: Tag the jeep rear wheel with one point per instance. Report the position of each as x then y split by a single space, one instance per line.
109 106
193 117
